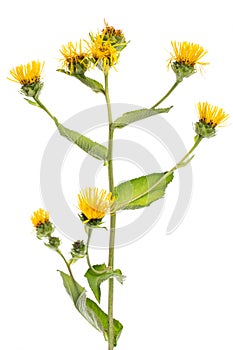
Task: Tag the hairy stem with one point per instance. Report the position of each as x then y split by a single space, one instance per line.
167 94
40 104
89 233
112 219
67 264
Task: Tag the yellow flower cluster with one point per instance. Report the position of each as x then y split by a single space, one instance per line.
103 50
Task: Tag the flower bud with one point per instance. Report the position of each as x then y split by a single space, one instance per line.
54 242
44 230
78 250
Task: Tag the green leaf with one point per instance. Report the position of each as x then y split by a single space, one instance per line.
89 309
95 279
134 116
73 288
32 102
142 191
91 83
91 305
93 148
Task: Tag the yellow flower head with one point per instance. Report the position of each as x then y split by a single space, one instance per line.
40 217
211 115
75 58
209 118
187 53
185 58
28 73
94 203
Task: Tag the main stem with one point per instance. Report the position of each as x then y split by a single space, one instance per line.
112 219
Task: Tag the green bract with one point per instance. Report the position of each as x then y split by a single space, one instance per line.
204 129
32 90
182 70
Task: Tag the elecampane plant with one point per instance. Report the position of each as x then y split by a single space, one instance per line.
102 51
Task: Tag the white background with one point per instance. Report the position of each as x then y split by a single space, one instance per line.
178 292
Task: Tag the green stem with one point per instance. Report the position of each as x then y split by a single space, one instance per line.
89 233
167 94
46 110
198 139
112 219
67 264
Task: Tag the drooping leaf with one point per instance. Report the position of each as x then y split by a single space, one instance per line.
95 279
134 116
142 191
95 149
91 83
89 309
73 288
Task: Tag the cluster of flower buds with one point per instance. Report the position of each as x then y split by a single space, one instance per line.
102 51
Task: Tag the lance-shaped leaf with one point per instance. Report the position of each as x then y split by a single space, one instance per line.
139 114
93 148
95 279
91 83
142 191
89 309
